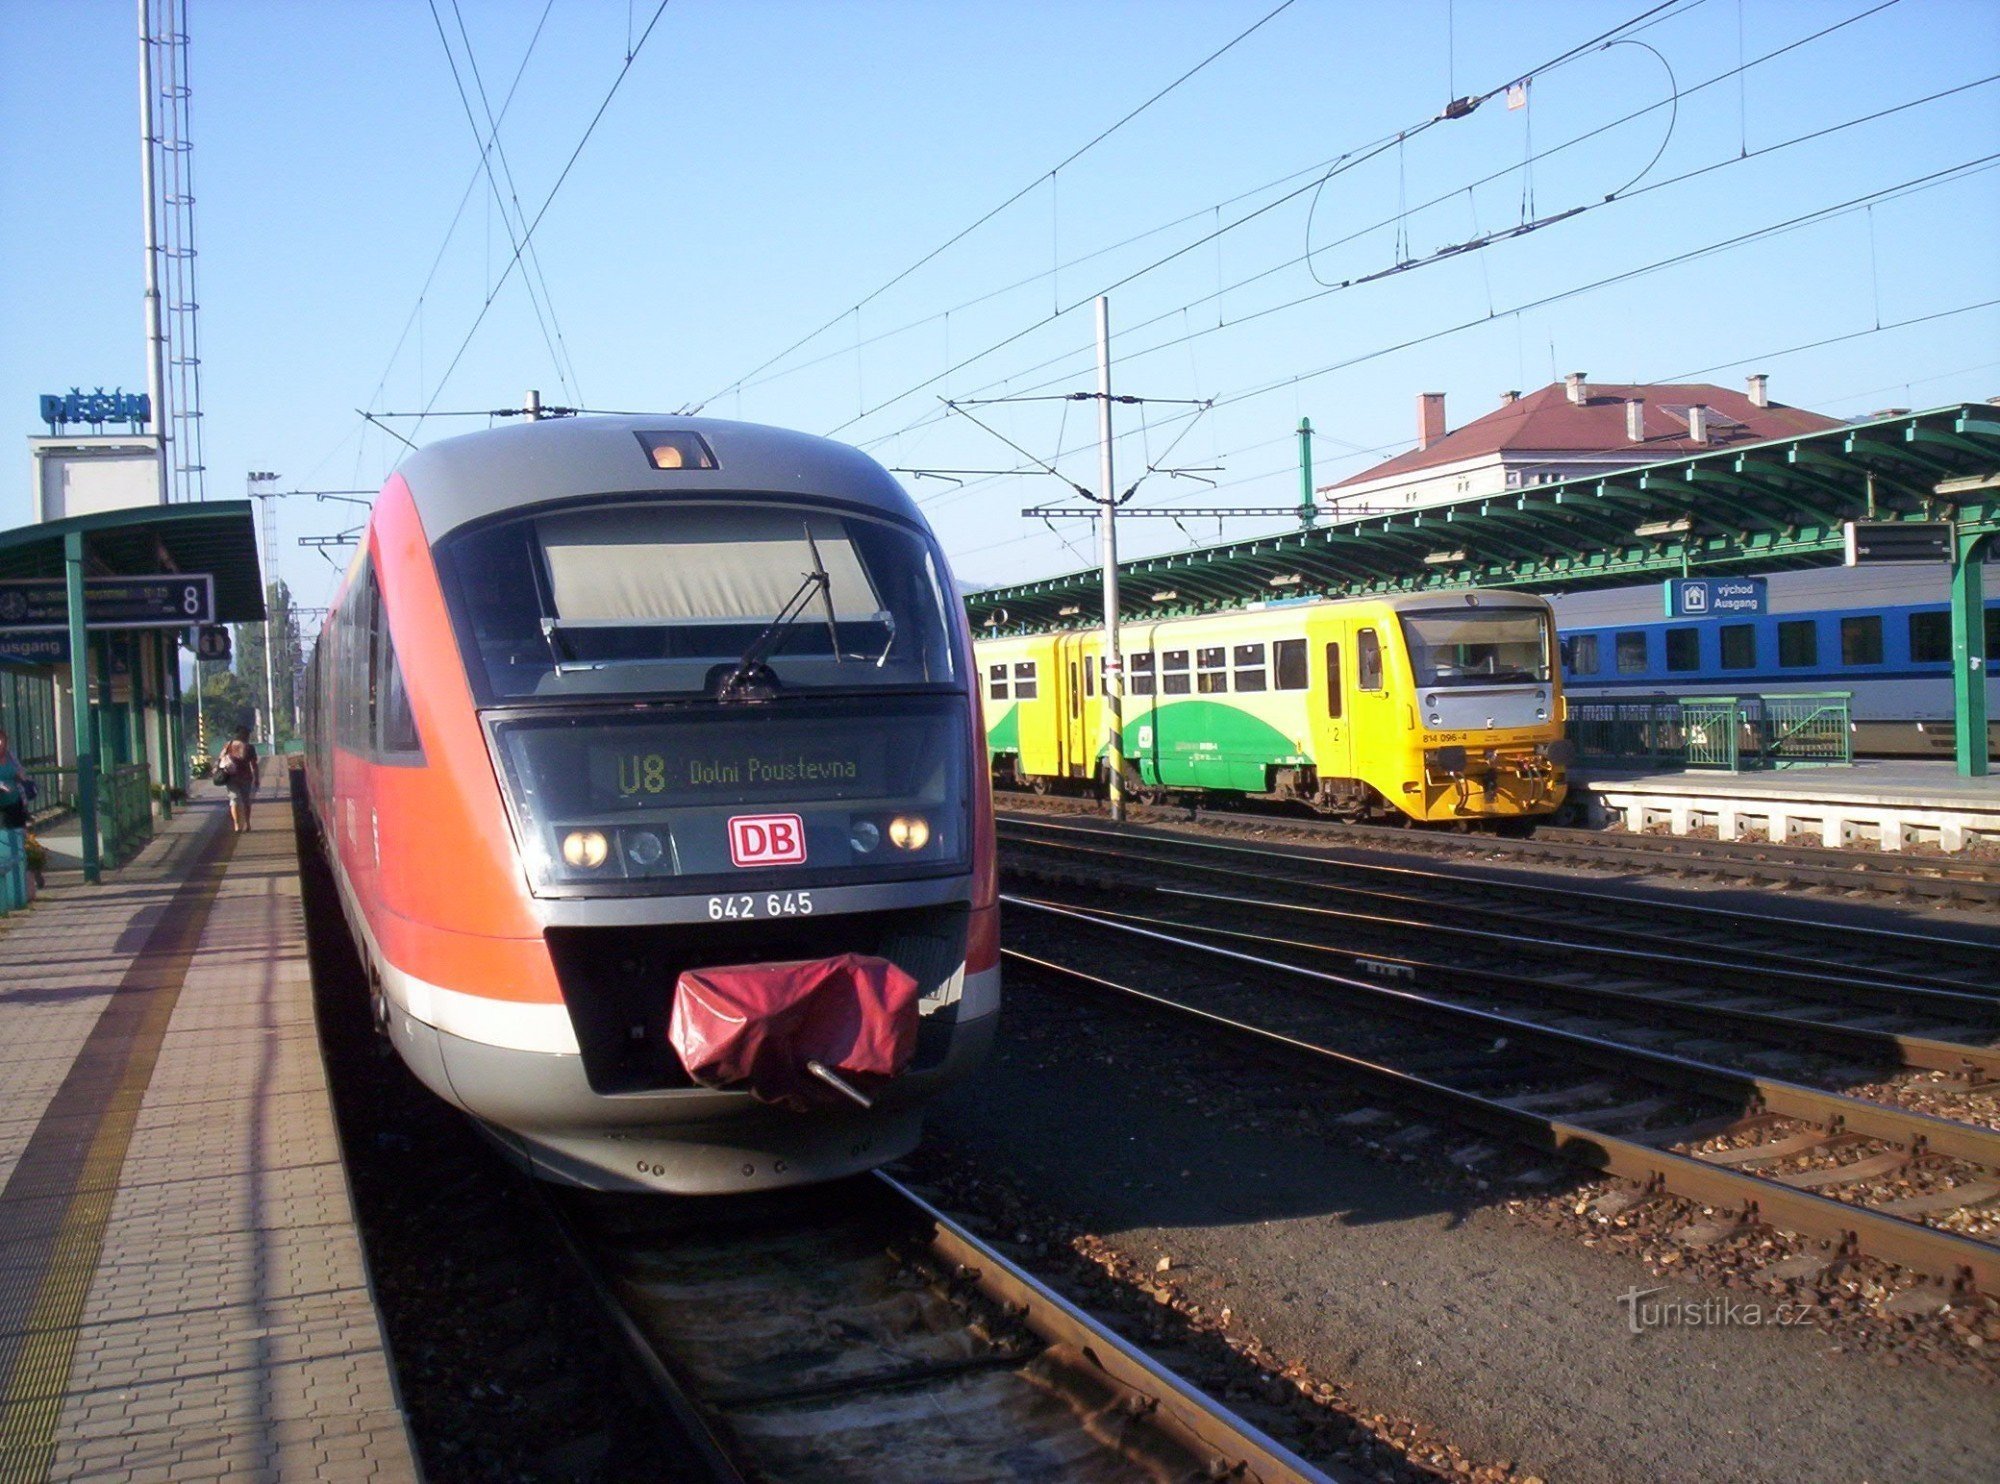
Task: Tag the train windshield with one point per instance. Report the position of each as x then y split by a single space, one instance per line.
675 598
1477 646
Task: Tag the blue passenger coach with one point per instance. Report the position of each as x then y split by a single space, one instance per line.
1882 635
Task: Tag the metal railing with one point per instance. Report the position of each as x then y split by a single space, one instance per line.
125 810
1729 733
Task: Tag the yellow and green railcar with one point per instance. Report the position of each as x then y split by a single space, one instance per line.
1440 707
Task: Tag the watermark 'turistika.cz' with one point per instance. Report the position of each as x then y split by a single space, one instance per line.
1644 1311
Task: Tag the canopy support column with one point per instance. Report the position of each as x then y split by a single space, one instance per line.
79 690
1968 655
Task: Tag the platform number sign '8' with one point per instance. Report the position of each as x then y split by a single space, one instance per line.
767 840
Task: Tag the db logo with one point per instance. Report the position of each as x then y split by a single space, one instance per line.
767 840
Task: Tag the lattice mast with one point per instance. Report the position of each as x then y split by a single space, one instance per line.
171 245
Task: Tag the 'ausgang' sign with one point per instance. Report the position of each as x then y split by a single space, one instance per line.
1714 597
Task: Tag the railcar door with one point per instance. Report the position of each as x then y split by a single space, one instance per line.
1330 650
1037 696
1074 741
1374 714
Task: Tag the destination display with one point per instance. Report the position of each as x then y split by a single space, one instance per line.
800 794
672 766
168 600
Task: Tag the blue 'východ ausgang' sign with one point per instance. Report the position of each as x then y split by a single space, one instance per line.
1714 597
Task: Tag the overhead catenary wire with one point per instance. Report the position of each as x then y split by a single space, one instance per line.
547 201
1315 172
959 236
1949 175
1457 249
486 153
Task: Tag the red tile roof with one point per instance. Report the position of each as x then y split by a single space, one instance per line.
1547 422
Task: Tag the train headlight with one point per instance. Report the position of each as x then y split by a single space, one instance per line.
643 848
909 832
586 850
865 836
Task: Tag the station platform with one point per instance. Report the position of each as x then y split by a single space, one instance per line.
1890 804
182 1288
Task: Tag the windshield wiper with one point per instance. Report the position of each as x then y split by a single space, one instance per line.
751 680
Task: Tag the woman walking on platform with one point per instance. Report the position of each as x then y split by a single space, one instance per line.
238 773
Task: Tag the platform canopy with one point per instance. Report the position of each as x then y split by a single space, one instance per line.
1764 507
218 537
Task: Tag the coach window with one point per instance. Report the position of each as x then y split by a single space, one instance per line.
1632 652
1142 673
1861 640
1684 648
1288 657
1992 633
1248 660
1930 637
1211 670
1075 691
1025 686
1739 646
395 724
1174 676
1090 675
996 685
1333 680
1798 644
1368 660
1580 654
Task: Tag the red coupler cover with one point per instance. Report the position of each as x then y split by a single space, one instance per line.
753 1027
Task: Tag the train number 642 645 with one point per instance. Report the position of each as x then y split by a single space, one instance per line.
772 904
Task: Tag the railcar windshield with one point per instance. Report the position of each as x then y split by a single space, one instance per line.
668 598
1477 646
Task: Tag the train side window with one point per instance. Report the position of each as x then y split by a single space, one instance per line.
1930 637
1249 662
1288 657
1861 640
1798 643
996 686
1141 666
1368 660
1739 646
1632 652
1684 648
395 724
1333 683
1992 633
1075 692
1090 675
1580 654
1026 686
1211 670
1174 677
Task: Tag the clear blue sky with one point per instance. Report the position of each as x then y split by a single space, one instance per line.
767 166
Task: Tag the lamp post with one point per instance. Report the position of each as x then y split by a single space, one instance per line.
253 480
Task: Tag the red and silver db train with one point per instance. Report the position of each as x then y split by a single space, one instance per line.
647 758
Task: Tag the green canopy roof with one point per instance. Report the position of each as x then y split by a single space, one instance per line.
218 537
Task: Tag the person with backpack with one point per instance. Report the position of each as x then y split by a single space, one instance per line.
238 772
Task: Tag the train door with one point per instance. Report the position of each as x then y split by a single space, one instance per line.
1037 697
1329 651
1076 740
1372 715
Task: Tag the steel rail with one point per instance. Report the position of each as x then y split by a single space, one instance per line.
1964 1262
1591 902
1122 1399
1882 1121
1947 1004
1921 1052
1236 1449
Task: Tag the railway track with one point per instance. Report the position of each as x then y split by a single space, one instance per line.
853 1332
1934 879
1751 950
1864 1178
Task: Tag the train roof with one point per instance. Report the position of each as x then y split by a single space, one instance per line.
1486 597
459 480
